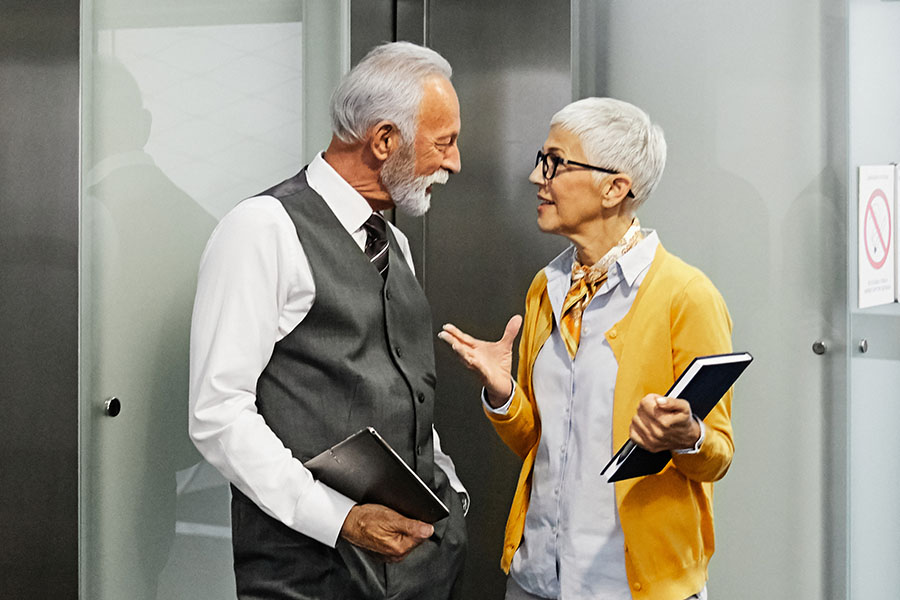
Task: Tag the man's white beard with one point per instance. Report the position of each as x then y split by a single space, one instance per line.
407 191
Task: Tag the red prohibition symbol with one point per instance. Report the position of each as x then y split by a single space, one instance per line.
882 241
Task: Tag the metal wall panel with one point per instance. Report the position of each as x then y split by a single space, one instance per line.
372 22
38 299
481 243
873 546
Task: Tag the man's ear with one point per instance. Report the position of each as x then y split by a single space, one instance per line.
614 189
384 139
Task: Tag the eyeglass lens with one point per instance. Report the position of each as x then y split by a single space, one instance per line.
548 164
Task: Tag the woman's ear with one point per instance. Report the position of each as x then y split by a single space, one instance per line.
614 189
384 139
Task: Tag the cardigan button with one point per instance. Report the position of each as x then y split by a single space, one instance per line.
637 586
612 334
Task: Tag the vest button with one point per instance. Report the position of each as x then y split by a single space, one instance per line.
421 396
387 294
419 449
397 351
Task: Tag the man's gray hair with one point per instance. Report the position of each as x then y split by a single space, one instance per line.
387 84
619 136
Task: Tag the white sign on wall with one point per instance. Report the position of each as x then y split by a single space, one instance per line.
877 230
896 231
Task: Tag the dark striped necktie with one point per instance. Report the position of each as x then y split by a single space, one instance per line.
377 242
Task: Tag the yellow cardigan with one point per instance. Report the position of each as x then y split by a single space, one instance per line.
667 518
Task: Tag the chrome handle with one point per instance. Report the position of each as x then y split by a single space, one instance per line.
112 407
819 347
864 345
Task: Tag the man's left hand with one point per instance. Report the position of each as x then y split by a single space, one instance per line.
664 424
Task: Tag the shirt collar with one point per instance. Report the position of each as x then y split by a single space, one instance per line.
350 208
629 266
559 273
638 259
561 266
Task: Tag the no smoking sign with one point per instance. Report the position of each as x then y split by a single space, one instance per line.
877 227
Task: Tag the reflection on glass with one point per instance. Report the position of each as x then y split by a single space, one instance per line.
183 122
225 100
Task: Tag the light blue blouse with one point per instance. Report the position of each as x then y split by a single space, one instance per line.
573 545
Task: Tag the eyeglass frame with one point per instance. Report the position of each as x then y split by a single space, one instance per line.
544 160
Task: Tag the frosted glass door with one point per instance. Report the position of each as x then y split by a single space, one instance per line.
188 107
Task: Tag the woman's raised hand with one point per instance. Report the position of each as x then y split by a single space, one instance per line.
492 361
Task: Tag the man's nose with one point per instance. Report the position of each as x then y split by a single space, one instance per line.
452 161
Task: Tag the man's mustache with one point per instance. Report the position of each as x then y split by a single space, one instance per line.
440 176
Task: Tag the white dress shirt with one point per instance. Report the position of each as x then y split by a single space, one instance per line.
254 287
573 545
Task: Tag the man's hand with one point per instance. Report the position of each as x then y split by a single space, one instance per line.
664 424
491 360
383 531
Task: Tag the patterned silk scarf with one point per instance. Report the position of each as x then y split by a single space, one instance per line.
585 283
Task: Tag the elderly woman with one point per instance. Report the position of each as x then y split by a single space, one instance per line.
609 324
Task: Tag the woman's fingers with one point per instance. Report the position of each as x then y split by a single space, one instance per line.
465 352
460 335
454 342
479 355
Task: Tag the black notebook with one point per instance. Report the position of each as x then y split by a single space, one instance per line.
366 469
703 383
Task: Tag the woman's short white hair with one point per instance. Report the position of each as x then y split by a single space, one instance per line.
387 84
618 136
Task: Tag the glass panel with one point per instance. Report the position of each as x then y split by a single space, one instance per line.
751 96
188 107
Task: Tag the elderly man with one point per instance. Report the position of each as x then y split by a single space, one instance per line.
609 324
309 325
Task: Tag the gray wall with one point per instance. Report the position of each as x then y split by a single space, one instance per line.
38 299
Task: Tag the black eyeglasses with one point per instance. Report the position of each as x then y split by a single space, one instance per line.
550 162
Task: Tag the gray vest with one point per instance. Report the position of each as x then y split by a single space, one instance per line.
364 354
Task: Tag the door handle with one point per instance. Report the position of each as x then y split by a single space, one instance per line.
112 407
